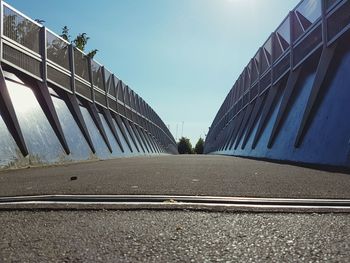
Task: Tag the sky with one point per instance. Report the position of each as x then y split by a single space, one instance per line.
181 56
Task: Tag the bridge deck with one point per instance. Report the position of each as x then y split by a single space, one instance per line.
178 175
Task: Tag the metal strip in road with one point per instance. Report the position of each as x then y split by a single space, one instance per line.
54 205
164 202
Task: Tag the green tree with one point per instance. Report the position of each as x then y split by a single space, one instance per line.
198 149
79 42
65 34
92 53
184 146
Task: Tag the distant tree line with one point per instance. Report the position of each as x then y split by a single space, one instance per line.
184 146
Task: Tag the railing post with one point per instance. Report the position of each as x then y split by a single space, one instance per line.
115 88
273 38
43 53
72 66
259 70
324 23
104 84
91 79
1 26
291 24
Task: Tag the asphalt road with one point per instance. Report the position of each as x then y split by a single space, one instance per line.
178 175
172 236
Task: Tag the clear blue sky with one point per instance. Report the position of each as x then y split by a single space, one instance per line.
181 56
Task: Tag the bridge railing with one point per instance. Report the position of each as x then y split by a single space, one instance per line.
309 26
30 47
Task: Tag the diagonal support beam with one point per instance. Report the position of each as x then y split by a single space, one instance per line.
321 73
143 136
218 142
128 128
244 124
9 116
118 120
286 100
237 126
151 141
228 134
97 120
221 140
231 131
255 114
132 125
74 108
148 137
157 138
109 120
266 113
154 142
43 96
155 146
147 145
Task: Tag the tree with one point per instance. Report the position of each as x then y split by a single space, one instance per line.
79 42
198 149
184 146
65 34
92 53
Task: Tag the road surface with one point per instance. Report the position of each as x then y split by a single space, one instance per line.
178 175
172 236
178 235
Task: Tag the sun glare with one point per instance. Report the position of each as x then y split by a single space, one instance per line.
23 98
243 3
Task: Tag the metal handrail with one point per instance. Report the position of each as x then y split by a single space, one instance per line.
41 57
325 13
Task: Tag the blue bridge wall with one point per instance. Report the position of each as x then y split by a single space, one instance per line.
42 143
326 141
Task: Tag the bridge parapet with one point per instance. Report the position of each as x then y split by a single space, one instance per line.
281 96
65 84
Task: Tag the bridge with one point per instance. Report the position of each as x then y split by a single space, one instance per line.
58 105
291 102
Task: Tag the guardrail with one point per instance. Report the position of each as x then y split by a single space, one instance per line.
309 26
312 26
33 49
